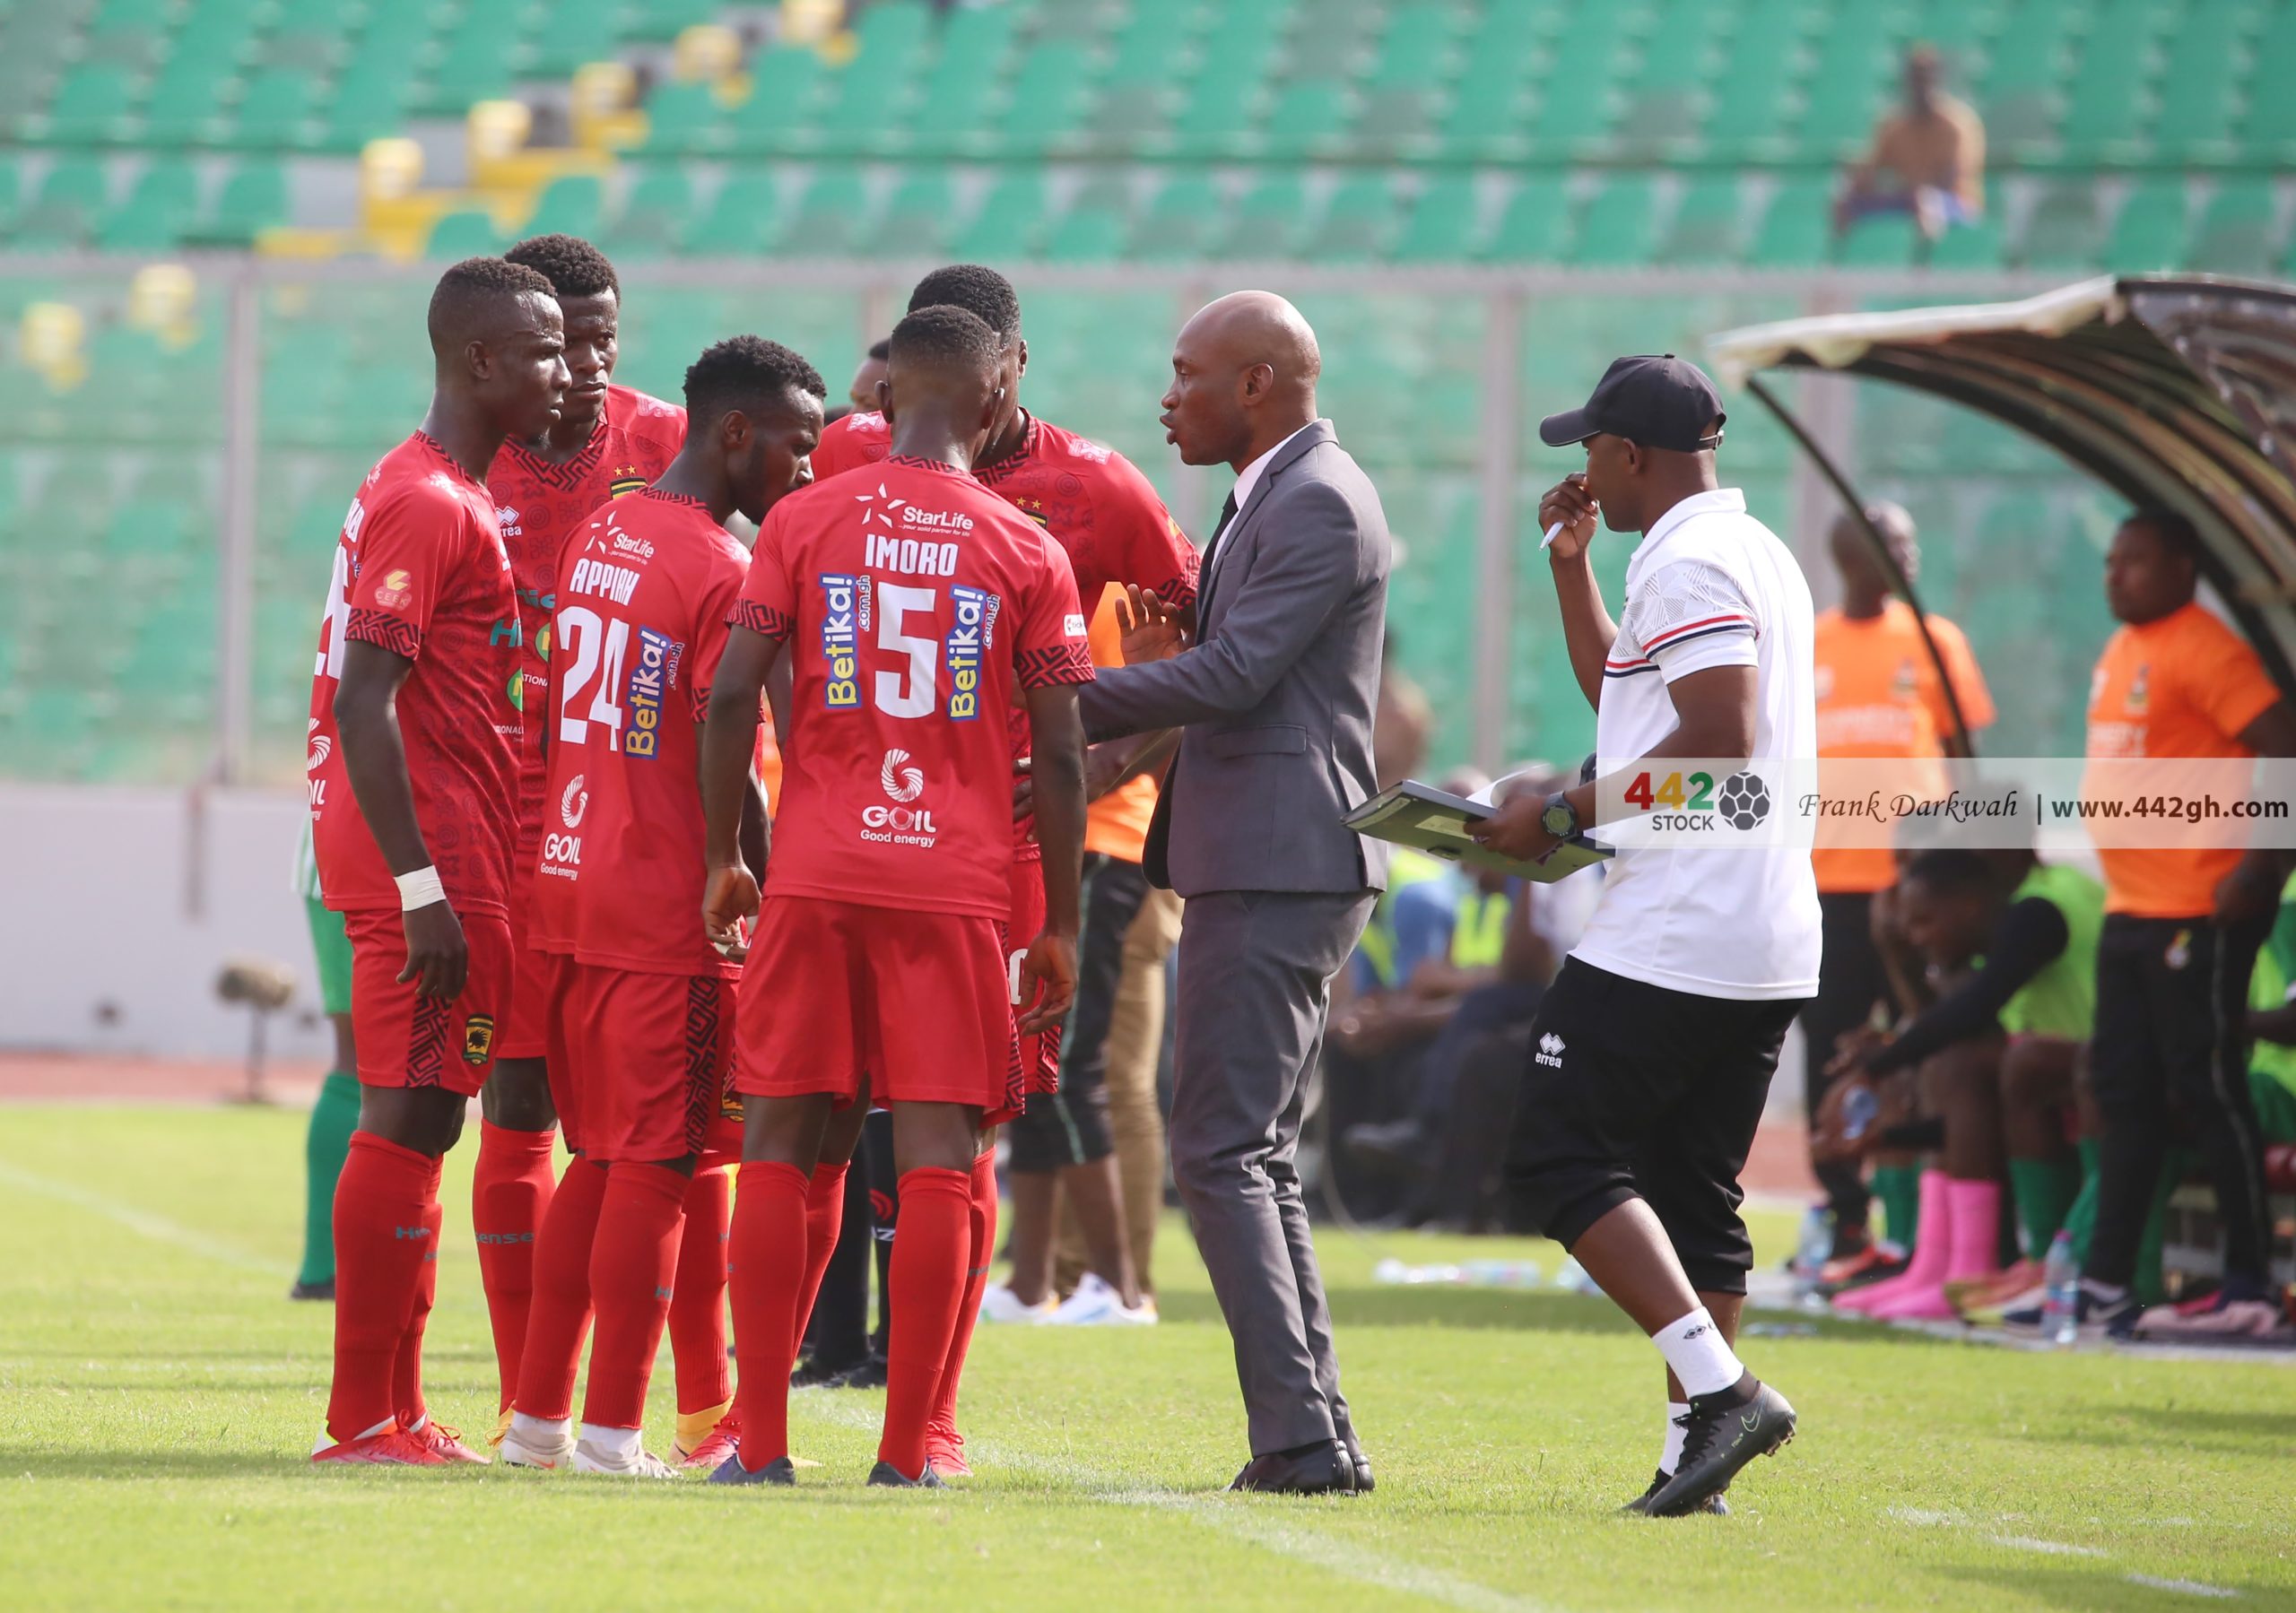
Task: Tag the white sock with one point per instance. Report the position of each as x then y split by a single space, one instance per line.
542 1432
1696 1354
2110 1293
1670 1454
622 1442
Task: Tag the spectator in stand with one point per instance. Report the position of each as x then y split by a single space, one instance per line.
1879 700
1928 158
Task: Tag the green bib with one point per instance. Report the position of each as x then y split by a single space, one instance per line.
2268 988
2061 1001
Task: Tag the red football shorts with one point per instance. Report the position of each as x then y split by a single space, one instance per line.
1037 1058
524 1030
554 972
406 1039
650 1054
916 1002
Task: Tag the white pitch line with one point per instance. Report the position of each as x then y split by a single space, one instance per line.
2184 1587
1255 1526
2055 1548
156 1228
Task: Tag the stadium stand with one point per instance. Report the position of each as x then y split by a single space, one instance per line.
2129 135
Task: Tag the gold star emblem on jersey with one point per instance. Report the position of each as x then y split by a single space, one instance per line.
625 480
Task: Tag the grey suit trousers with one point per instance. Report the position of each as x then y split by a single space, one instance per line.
1255 984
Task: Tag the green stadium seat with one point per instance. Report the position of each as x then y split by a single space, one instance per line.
1710 226
2268 134
665 20
2236 233
2104 114
12 193
131 16
2151 232
1850 82
1619 227
1047 100
1093 229
785 89
1489 101
1010 220
1579 100
185 107
2065 229
2196 101
1796 227
572 32
279 109
1268 220
253 199
831 219
1358 224
890 40
1886 240
1330 39
64 214
1441 225
1307 118
571 204
1978 246
654 210
2020 95
686 120
1180 222
469 233
917 220
952 114
742 218
1220 109
1533 227
92 106
1127 120
367 102
1416 51
159 206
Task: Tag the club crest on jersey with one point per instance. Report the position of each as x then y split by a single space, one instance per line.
626 480
654 674
841 642
969 636
478 1039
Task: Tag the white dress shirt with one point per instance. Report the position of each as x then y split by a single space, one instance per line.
1246 482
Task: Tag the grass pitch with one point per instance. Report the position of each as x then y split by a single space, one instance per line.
157 1395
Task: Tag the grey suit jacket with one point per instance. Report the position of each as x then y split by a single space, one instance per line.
1275 698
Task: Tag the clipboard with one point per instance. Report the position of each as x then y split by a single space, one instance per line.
1435 821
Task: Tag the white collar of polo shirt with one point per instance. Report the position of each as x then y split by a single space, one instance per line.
1720 501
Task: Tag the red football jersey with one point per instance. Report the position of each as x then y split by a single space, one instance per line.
917 606
538 503
645 587
1092 499
420 571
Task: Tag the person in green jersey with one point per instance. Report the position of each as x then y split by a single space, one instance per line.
334 1117
2271 1021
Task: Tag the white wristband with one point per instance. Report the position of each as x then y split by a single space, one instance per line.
419 889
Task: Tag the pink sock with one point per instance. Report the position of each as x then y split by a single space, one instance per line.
1929 1252
1973 1217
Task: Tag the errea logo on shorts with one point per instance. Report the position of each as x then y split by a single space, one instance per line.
1550 1052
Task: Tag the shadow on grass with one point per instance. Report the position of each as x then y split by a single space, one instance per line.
2170 1426
2103 1590
1374 1305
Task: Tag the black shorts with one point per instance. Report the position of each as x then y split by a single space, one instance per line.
1636 1091
1071 1126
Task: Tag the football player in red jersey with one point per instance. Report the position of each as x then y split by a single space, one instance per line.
645 587
1115 529
917 606
414 734
606 440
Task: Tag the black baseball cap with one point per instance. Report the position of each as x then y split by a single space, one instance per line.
1656 400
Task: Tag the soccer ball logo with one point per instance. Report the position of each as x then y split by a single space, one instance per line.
901 784
1744 800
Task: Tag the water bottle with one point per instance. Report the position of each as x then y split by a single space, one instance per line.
1394 1272
1571 1278
1815 1245
1859 1111
2061 1306
1500 1274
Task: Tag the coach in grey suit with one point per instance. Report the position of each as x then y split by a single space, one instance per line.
1274 694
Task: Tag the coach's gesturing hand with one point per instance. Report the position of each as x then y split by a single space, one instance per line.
1569 502
728 896
437 958
1048 983
1151 630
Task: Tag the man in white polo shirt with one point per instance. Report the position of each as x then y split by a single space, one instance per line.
1654 1048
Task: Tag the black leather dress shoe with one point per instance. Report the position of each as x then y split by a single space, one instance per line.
1323 1468
1356 1459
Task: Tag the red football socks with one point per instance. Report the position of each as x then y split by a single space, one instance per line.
824 1217
984 1250
510 1192
769 1269
560 1316
697 1300
633 1262
406 1371
930 1260
384 1202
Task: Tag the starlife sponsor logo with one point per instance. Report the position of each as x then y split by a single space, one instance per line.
840 643
656 672
968 638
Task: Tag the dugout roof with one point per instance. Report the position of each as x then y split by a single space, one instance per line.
2178 391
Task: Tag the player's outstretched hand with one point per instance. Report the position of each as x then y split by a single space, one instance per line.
437 958
1569 502
1151 630
1514 830
1048 981
729 896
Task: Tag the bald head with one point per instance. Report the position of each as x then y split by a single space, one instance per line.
1244 373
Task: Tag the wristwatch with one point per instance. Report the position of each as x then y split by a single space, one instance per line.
1561 819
